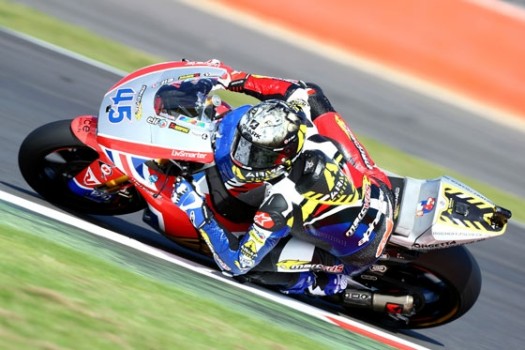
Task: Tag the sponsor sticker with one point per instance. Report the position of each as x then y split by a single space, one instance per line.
122 105
188 155
264 220
425 206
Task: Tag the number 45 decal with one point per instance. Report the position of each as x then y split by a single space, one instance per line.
122 103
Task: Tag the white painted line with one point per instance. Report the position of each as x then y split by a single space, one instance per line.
343 322
64 52
359 62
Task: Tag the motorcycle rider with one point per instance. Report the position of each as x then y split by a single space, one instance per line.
275 160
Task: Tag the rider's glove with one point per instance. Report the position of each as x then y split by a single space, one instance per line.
232 80
189 201
299 95
298 101
237 80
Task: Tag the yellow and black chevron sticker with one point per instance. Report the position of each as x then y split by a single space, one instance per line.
466 210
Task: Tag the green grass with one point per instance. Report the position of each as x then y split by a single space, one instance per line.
61 288
59 298
54 297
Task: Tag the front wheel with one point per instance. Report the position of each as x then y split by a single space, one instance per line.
51 155
446 284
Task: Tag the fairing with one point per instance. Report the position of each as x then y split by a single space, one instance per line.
443 213
128 120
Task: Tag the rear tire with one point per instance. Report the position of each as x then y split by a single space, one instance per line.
458 268
51 155
446 283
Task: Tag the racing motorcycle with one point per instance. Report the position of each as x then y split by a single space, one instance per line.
128 158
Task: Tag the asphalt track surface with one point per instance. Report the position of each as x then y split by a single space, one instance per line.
39 86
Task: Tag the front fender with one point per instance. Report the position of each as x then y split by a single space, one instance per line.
84 127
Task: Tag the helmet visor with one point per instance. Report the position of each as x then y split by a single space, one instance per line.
249 155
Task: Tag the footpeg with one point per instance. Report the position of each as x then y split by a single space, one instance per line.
392 304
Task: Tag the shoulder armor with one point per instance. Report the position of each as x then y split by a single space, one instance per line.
319 177
308 170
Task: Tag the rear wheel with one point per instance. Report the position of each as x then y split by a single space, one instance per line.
51 155
446 284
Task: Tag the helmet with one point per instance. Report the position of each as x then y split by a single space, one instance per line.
188 98
268 138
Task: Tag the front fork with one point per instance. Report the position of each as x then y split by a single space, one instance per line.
100 181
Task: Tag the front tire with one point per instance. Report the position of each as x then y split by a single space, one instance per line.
51 155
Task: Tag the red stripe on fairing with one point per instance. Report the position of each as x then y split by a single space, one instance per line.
148 70
155 152
125 164
370 334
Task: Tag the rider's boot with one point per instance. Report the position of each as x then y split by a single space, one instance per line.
392 304
318 284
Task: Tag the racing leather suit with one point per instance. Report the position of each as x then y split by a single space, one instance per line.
334 197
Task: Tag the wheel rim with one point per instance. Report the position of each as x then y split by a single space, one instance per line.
439 301
55 168
436 300
59 166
